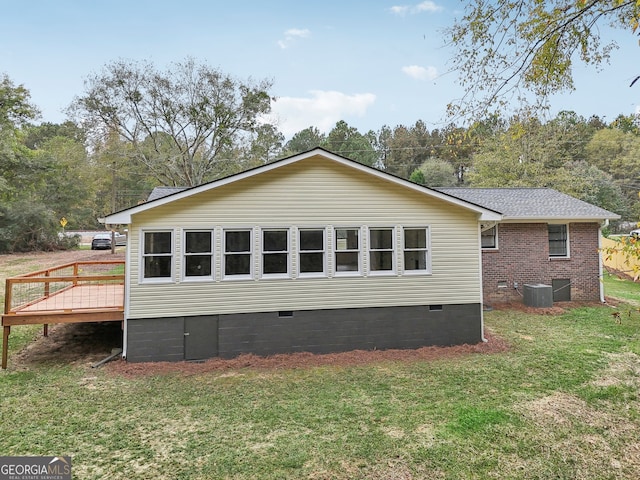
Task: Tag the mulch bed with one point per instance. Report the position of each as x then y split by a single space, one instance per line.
88 343
494 344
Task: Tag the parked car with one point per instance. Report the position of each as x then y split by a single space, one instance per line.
102 241
120 239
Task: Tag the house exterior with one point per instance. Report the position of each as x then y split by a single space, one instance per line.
545 237
312 253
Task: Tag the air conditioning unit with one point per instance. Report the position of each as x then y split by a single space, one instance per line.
538 295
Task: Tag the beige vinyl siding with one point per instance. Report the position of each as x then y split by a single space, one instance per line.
309 194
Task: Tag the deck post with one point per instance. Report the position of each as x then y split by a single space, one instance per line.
46 285
45 330
5 345
8 294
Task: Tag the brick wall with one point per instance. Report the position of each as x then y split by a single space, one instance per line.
522 257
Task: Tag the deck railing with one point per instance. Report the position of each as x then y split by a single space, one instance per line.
41 290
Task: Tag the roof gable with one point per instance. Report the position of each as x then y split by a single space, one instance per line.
165 195
532 204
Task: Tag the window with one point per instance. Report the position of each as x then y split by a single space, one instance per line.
381 249
311 251
347 249
415 250
157 254
275 252
489 238
237 252
198 254
558 241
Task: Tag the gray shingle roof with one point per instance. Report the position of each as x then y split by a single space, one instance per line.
531 203
159 192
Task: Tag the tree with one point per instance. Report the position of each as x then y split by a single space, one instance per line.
437 173
179 121
616 151
400 149
627 123
15 106
349 142
417 177
37 135
509 49
304 140
532 154
264 146
120 182
403 149
28 220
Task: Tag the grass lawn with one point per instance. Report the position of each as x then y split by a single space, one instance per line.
622 289
562 403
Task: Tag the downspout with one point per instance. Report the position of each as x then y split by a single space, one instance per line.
600 269
127 296
484 339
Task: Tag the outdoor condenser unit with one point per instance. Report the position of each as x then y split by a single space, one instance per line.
538 295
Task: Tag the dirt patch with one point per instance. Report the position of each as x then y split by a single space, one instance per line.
70 343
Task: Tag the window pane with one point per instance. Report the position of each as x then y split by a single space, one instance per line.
275 263
198 242
237 264
381 261
416 260
347 239
415 238
157 267
275 240
238 241
198 265
312 262
381 239
488 238
347 261
557 240
311 239
157 242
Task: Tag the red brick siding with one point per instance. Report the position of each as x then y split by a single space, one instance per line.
523 257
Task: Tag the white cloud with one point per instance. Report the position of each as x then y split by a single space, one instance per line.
292 35
321 110
420 73
399 10
427 6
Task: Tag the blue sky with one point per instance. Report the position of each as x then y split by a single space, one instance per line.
368 62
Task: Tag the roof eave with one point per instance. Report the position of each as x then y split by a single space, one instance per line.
491 216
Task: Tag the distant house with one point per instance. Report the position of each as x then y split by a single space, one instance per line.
313 253
544 237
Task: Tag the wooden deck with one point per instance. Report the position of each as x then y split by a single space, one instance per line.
71 293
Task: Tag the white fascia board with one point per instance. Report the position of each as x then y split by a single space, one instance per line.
124 217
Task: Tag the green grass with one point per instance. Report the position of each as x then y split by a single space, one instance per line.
561 403
622 289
